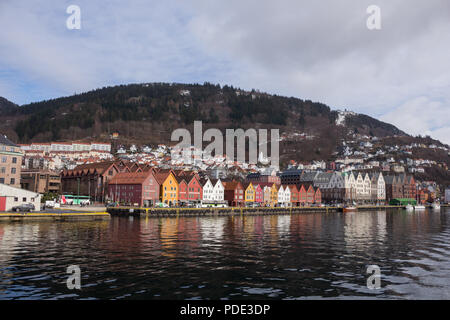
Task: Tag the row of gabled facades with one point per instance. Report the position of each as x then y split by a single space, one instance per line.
360 187
145 185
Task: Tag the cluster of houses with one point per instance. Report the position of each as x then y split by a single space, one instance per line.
145 185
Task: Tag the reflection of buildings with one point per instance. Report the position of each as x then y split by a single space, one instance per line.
364 228
284 222
168 234
212 230
13 236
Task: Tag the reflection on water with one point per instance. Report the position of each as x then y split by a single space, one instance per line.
262 257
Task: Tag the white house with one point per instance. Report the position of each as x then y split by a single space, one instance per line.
378 190
218 191
350 186
208 190
287 196
284 196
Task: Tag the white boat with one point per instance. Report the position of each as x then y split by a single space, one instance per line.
409 207
436 206
419 207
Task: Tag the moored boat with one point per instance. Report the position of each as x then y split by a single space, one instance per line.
419 207
349 209
436 206
409 207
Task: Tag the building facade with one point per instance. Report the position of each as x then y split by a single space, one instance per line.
10 162
40 181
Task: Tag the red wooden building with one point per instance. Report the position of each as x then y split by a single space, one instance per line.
302 195
234 193
259 194
182 190
295 200
134 188
318 196
195 189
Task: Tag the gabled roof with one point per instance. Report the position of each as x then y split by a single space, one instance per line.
308 176
162 175
232 185
130 178
323 177
96 167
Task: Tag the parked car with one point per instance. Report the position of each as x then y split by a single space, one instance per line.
25 207
112 204
161 205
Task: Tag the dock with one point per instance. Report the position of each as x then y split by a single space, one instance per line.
195 212
62 215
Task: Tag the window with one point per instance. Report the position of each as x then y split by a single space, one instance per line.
14 160
3 170
2 180
24 199
16 199
3 159
13 181
13 170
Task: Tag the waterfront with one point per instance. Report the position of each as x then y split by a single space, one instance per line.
298 256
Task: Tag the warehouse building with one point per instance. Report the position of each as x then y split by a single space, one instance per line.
11 197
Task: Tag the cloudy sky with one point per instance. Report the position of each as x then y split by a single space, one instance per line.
318 50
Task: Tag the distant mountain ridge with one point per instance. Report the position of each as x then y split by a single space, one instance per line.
7 106
148 113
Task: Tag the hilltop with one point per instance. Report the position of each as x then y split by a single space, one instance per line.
148 113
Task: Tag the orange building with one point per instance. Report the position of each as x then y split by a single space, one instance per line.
168 187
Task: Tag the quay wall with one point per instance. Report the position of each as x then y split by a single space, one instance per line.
173 212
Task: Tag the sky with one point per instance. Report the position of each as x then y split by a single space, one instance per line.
317 50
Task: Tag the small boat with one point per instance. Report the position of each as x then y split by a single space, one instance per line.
409 207
436 206
349 209
419 207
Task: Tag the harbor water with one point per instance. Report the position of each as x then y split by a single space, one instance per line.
297 256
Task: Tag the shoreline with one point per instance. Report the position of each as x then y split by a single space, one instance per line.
205 212
54 216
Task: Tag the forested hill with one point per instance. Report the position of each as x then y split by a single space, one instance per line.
6 106
148 113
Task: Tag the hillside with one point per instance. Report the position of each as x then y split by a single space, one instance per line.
6 106
148 113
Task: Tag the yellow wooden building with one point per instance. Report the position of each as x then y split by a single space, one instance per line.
249 193
168 187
